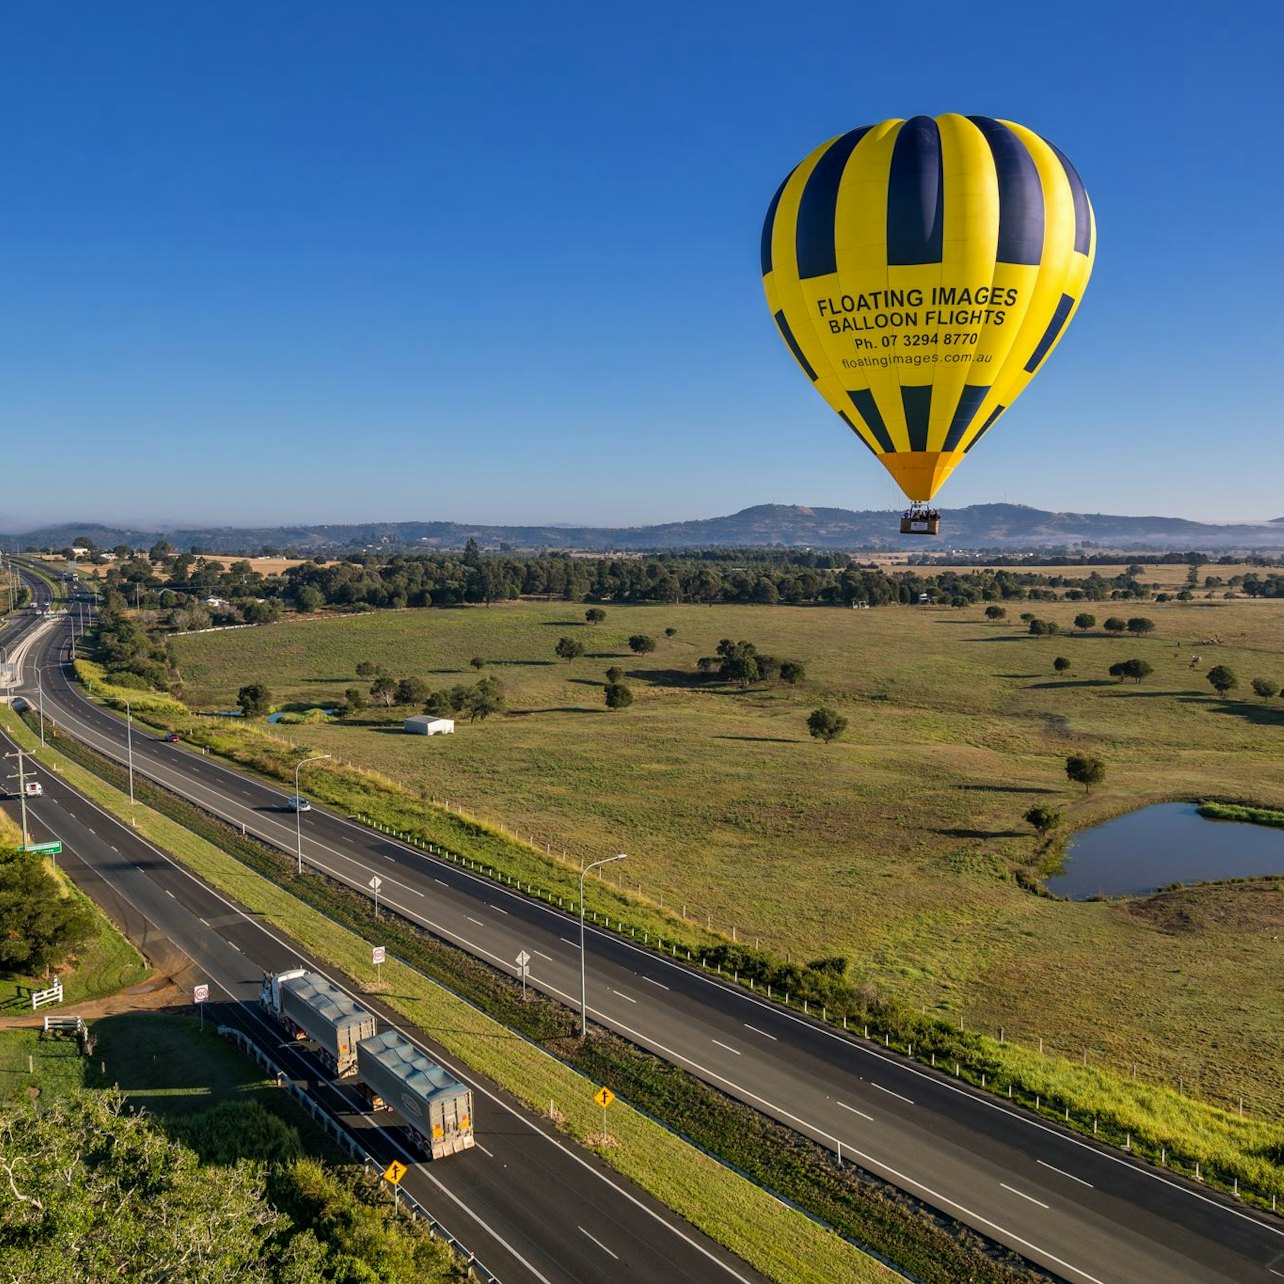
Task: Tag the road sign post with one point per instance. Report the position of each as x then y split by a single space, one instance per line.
393 1174
604 1097
374 885
53 848
199 994
377 955
523 969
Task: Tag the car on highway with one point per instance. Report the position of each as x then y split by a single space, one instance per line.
172 738
295 803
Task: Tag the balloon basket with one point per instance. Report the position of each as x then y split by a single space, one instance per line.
920 521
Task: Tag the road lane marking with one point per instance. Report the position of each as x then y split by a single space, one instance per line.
728 1047
1023 1195
655 982
624 996
764 1034
471 919
542 955
482 1148
498 910
598 1242
854 1111
566 942
1063 1172
442 881
890 1093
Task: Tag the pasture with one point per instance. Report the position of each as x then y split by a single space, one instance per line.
896 845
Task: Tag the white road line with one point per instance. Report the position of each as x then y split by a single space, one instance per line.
655 982
727 1046
890 1093
482 1148
598 1242
854 1111
170 894
1023 1195
542 955
622 995
441 881
497 910
566 942
471 919
764 1034
1063 1172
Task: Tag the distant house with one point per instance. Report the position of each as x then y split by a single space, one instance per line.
425 726
214 601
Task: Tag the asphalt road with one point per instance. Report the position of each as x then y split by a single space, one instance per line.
528 1204
1086 1212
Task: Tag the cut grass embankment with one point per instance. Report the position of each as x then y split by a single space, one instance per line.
776 1239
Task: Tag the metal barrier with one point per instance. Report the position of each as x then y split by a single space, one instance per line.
476 1269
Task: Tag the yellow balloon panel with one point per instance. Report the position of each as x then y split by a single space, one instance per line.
920 272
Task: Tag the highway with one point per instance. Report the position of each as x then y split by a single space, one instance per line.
1086 1212
529 1204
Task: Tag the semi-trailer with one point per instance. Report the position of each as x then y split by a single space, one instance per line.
398 1076
310 1007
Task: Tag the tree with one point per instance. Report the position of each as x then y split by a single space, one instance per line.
1134 669
412 691
1044 819
1139 625
1266 687
569 648
995 612
40 925
1085 770
641 644
618 696
384 688
792 671
254 699
1222 679
1061 664
308 599
1044 628
594 615
478 662
670 632
1083 621
483 700
439 705
614 673
355 699
826 724
1115 625
365 669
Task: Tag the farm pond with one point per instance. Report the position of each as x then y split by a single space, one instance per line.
1164 844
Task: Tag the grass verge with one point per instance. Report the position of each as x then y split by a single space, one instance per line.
1249 815
777 1239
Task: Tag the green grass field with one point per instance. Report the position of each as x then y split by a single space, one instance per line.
896 845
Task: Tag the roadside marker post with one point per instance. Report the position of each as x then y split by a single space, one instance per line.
374 885
523 968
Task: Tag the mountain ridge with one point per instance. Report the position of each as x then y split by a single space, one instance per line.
978 526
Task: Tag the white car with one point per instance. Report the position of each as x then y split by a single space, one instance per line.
295 803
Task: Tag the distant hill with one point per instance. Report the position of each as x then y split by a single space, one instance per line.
980 526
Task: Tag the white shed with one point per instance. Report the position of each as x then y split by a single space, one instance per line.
424 726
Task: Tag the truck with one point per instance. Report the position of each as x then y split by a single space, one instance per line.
310 1007
398 1076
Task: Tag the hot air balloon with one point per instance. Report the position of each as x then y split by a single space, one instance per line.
921 271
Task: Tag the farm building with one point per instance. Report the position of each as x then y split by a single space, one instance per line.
423 726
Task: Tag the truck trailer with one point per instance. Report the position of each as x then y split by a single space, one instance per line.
310 1007
397 1076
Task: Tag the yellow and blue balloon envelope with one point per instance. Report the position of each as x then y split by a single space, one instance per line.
921 271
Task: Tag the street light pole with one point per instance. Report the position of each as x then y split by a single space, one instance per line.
298 811
40 687
584 869
129 743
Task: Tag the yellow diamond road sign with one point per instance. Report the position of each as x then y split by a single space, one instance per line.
395 1171
604 1097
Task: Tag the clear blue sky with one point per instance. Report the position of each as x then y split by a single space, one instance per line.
331 262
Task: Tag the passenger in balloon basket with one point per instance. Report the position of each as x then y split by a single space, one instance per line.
918 519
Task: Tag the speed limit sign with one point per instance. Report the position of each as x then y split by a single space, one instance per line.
200 993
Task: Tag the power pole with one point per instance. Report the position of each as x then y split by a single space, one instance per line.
22 793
